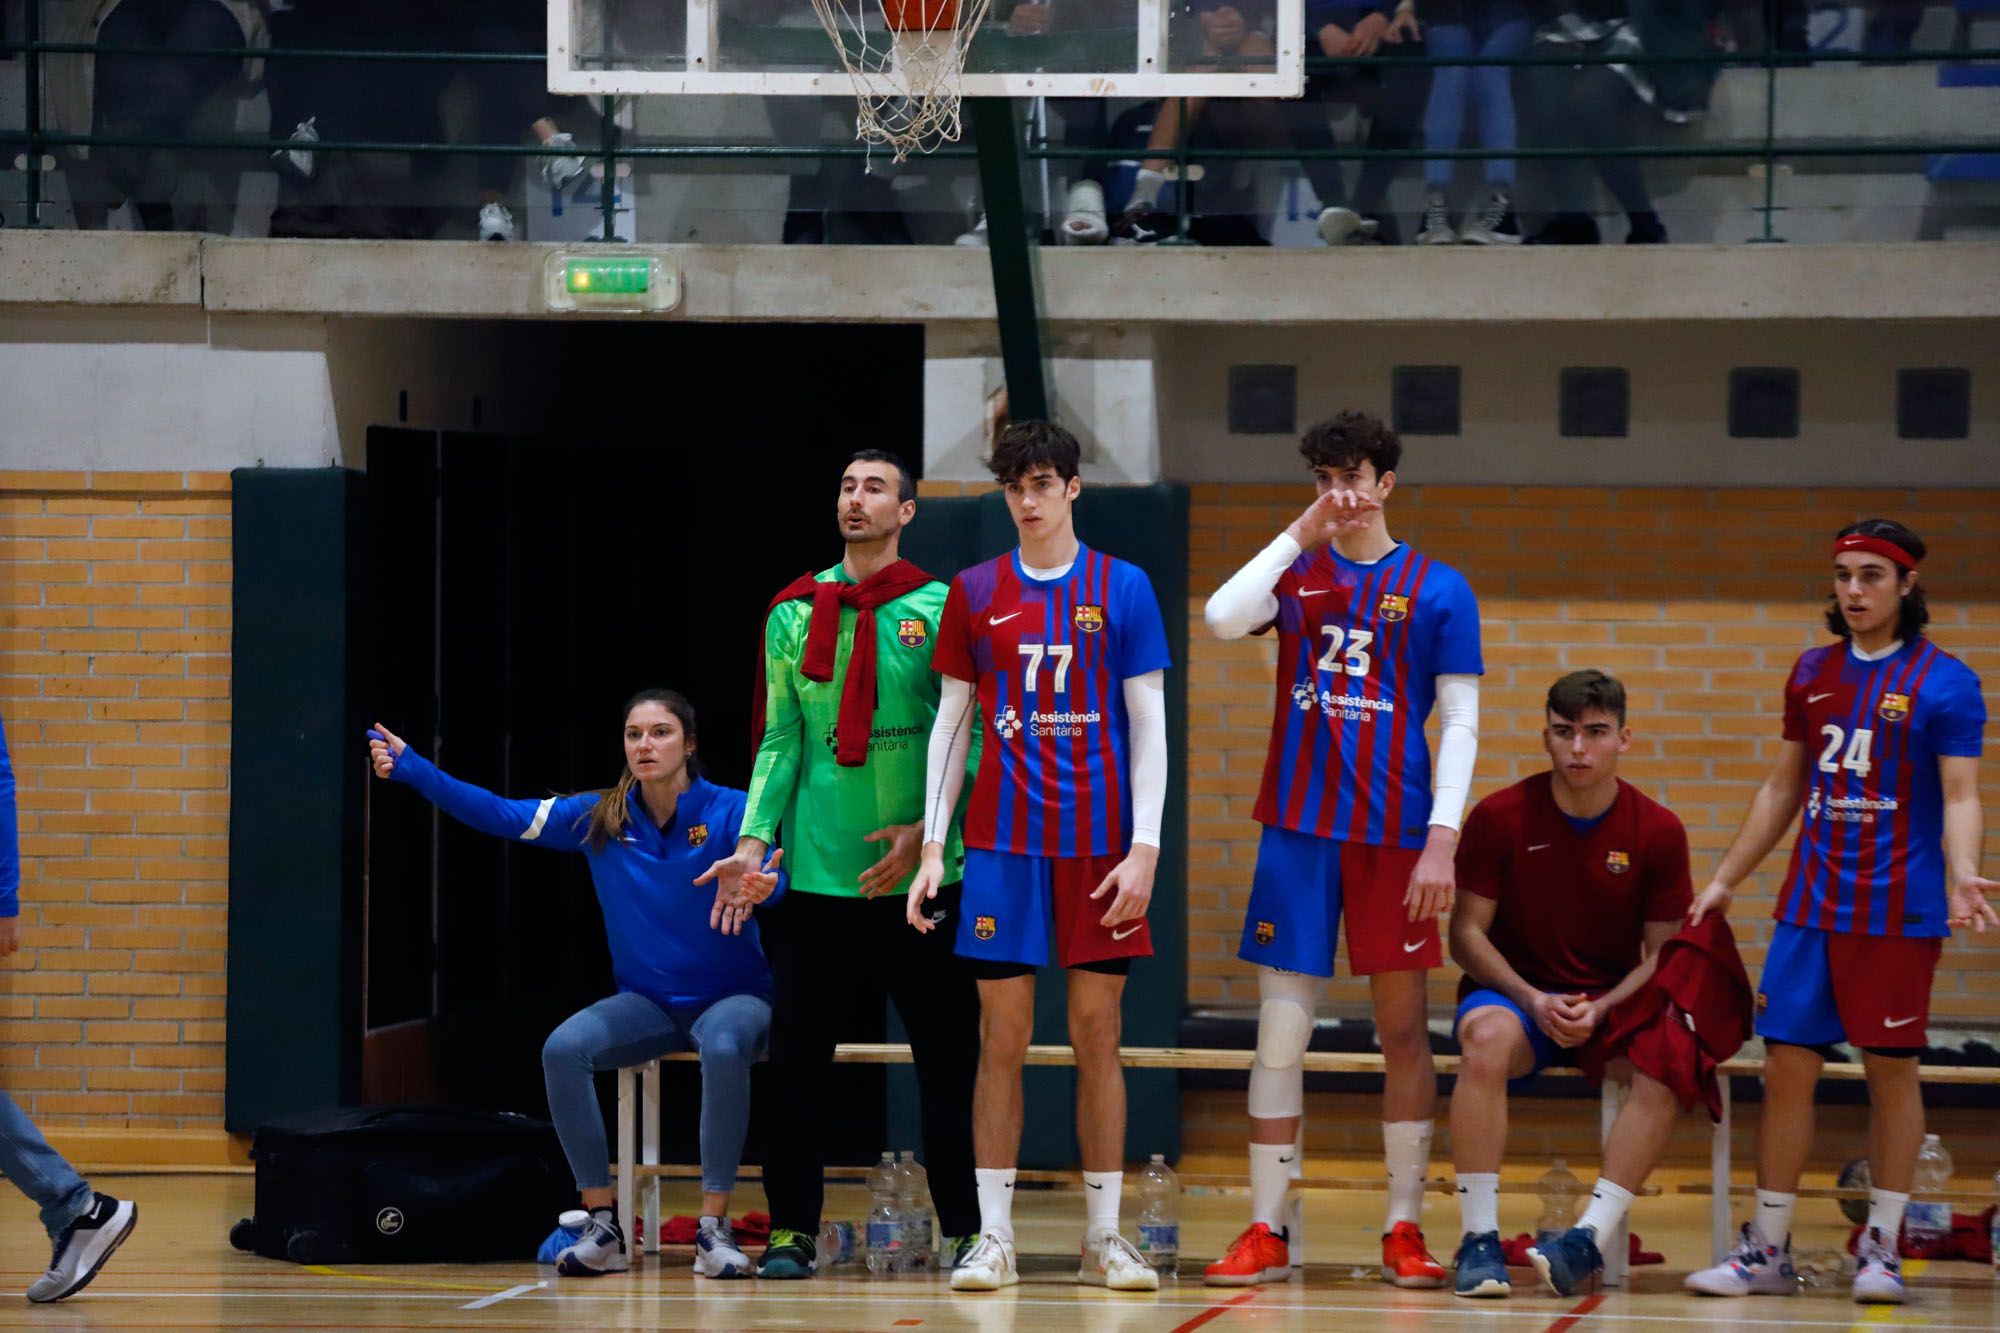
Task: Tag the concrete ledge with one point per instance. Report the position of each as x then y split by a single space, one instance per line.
1080 288
99 268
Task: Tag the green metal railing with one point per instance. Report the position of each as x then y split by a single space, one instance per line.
30 143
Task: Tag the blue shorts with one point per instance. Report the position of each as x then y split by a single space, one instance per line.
1820 987
1304 884
1012 902
1546 1051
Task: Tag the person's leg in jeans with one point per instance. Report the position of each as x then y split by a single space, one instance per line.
39 1171
1394 121
1444 122
937 997
1493 108
616 1032
1555 99
812 941
730 1035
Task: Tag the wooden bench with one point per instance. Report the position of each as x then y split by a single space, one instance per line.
639 1123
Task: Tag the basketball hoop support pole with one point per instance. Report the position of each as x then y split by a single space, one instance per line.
1012 244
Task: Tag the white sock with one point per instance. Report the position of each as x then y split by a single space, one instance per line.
1774 1216
708 1221
996 1201
1406 1149
1609 1202
1479 1201
1100 1202
1146 187
1270 1181
1885 1213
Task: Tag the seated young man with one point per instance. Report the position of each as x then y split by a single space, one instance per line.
1569 883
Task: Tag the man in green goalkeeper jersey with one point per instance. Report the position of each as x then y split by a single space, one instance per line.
845 710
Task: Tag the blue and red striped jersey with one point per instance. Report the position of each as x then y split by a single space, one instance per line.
1360 648
1869 859
1050 660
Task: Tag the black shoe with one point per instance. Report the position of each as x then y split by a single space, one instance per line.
1568 229
83 1247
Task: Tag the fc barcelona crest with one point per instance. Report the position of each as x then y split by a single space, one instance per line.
1266 932
1894 707
1394 606
1090 619
912 633
697 834
1617 862
985 927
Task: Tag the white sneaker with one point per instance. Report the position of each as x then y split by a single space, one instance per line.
1483 227
1085 222
299 161
495 223
976 238
83 1247
1339 226
1437 224
989 1267
558 172
1879 1280
1753 1268
1111 1261
602 1248
716 1253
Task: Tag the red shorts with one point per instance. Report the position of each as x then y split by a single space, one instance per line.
1821 987
1013 903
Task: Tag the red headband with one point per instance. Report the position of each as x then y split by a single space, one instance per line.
1888 550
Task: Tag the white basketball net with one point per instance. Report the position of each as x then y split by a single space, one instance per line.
906 84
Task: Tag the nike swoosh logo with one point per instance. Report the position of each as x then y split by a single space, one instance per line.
1000 620
1314 592
1412 948
1286 1161
1815 698
1129 930
1899 1022
1093 1184
1539 847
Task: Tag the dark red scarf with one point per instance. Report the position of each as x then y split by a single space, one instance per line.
857 693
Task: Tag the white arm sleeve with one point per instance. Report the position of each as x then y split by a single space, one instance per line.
1458 747
1146 703
944 769
1247 602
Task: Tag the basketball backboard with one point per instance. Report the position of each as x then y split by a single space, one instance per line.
1091 48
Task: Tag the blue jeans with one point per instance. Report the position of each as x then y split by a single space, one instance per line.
630 1029
1489 87
39 1171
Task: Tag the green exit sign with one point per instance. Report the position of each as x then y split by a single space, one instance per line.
592 276
611 283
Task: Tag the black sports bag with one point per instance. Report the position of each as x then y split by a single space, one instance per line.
405 1184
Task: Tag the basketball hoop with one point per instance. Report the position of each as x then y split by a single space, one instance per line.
907 73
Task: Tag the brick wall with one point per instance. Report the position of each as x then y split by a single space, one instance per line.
114 686
1698 599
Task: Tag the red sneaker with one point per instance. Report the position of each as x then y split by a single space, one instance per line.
1258 1255
1406 1261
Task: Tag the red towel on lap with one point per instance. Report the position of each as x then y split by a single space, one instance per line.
1695 1013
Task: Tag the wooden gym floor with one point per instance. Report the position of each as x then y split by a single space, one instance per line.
178 1271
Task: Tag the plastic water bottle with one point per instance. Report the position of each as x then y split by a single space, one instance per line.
1561 1193
1160 1216
885 1217
836 1243
1927 1219
913 1203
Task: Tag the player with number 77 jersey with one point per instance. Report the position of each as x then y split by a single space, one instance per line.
1371 635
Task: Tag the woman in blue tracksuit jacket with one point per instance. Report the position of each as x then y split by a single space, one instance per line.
682 982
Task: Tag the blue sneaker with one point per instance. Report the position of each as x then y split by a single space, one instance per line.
1482 1266
1569 1262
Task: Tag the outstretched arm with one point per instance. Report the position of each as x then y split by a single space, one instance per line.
551 823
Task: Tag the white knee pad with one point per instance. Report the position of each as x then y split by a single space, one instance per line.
1284 1031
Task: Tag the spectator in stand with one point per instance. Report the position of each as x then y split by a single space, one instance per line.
398 102
1463 29
151 97
1614 106
1341 29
